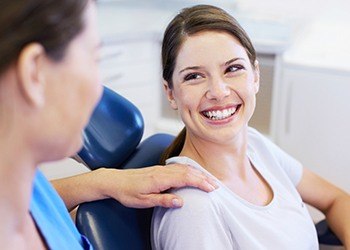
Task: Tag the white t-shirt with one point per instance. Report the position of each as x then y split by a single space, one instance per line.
223 220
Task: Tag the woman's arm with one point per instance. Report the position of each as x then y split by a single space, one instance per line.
138 188
332 201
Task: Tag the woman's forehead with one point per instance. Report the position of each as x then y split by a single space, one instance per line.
209 45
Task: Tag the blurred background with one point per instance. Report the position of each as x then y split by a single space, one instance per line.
303 49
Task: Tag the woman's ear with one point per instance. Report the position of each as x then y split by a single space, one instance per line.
256 70
170 95
31 80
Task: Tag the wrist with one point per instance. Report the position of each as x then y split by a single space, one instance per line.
107 182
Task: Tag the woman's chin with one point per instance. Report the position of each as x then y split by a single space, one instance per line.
74 148
78 146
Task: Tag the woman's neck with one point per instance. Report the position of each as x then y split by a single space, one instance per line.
220 159
17 171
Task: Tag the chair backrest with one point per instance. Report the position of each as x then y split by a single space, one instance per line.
114 131
112 140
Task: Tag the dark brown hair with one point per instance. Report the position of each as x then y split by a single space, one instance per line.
188 22
52 23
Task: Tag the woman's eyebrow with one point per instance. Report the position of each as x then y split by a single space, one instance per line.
233 60
190 68
199 67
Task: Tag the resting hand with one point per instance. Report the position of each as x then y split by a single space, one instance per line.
142 188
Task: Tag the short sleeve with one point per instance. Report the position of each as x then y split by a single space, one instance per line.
197 225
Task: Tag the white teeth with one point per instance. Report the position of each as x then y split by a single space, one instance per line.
220 114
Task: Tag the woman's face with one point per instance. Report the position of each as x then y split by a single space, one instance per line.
73 88
214 86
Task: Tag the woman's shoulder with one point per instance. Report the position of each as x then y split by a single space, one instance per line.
195 199
198 207
193 225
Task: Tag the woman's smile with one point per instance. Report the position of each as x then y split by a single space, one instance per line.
221 114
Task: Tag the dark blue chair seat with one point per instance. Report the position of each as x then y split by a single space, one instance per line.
122 227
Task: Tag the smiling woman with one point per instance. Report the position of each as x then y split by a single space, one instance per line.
211 76
190 24
220 80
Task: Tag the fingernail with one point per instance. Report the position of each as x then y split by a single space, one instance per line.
214 184
212 188
176 203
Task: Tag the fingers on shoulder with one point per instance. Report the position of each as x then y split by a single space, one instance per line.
166 200
186 175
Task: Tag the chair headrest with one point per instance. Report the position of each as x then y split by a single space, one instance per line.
113 132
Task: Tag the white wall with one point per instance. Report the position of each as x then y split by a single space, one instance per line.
296 13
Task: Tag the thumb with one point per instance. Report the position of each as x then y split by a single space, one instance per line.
165 200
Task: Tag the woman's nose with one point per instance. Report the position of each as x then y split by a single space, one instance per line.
218 89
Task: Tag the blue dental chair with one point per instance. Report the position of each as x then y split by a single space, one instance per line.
112 139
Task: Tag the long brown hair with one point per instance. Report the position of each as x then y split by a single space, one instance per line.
52 23
188 22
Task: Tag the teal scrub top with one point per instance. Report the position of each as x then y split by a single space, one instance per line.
52 218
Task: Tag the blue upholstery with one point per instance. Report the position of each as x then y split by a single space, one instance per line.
110 225
325 234
112 140
114 131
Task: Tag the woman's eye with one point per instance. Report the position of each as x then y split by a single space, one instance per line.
234 68
192 76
